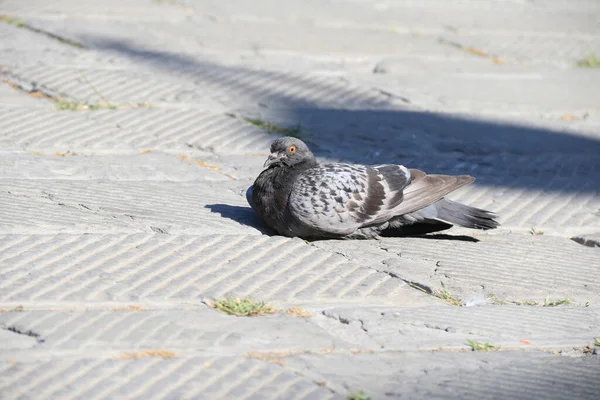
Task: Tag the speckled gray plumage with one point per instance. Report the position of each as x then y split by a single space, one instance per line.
296 196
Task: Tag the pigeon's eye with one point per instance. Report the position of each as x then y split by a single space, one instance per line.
292 149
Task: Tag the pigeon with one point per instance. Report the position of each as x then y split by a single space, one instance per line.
298 197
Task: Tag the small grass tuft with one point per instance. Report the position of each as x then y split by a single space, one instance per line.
554 303
19 23
596 342
590 61
269 127
63 104
496 300
445 295
360 395
12 21
534 232
242 307
480 346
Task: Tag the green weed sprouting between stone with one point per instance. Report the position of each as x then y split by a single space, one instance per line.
554 303
590 61
242 307
445 295
272 128
12 21
19 23
360 395
64 104
480 346
536 232
546 303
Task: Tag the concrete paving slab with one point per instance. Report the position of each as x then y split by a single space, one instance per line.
451 375
23 46
147 166
157 378
104 212
116 131
448 328
110 206
144 267
511 267
198 332
135 9
193 82
10 340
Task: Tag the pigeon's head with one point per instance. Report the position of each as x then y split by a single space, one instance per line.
288 151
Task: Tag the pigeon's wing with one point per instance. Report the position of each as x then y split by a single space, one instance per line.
425 190
340 198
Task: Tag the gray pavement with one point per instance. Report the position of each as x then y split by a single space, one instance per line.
126 149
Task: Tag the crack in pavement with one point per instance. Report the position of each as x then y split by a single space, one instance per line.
19 331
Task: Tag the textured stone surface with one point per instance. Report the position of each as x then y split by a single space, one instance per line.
455 375
122 219
509 267
157 378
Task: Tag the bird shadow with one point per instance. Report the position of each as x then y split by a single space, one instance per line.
247 216
241 215
445 236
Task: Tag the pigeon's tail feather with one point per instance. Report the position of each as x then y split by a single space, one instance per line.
466 216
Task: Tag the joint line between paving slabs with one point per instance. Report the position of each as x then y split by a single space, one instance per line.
19 23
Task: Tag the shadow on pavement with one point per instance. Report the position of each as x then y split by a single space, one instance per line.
366 125
241 215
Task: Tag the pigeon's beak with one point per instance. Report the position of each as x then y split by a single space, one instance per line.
273 157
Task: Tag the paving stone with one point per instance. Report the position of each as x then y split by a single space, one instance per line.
156 378
510 267
10 340
119 88
449 327
199 83
23 46
104 212
135 9
112 206
118 130
167 268
204 331
451 375
537 93
148 166
558 48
